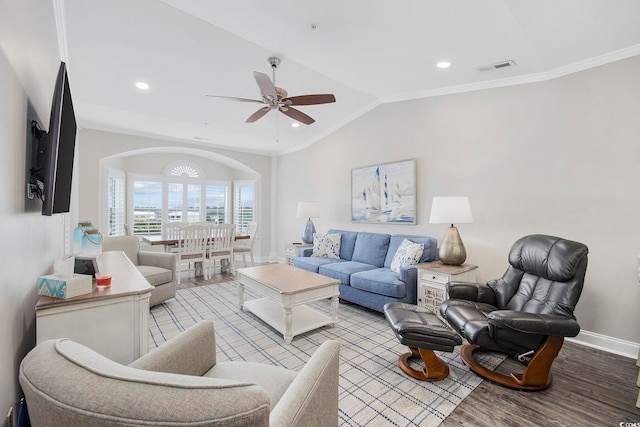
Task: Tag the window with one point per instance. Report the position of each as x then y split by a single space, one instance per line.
147 205
216 201
116 202
184 192
180 194
243 204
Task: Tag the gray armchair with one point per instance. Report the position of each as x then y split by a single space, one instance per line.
177 384
158 268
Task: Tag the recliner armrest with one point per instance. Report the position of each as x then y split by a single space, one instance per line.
534 323
158 259
192 352
477 292
312 397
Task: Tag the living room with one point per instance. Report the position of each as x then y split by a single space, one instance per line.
555 155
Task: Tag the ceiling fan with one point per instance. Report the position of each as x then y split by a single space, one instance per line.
277 98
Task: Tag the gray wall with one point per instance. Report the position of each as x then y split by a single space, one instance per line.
558 157
29 60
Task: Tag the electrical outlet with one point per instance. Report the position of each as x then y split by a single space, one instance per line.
10 417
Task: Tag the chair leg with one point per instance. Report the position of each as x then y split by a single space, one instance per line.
536 375
435 369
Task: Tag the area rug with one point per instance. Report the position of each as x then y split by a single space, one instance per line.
373 390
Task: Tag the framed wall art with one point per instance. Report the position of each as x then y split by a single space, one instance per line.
384 193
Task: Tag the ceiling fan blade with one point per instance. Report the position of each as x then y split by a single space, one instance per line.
297 115
233 98
255 116
310 99
267 87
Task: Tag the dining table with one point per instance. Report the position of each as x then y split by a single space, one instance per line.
169 243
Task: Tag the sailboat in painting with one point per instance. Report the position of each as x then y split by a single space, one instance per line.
381 197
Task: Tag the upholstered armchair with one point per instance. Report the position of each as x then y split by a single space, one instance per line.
178 384
158 268
526 314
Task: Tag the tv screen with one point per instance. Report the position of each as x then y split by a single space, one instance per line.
61 146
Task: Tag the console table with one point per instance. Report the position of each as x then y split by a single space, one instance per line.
112 321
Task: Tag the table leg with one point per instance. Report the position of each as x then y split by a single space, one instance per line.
288 320
334 310
240 295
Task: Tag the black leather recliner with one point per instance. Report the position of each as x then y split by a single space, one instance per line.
525 314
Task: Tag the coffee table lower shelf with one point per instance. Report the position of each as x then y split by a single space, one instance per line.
304 318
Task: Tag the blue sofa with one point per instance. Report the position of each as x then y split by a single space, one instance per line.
364 267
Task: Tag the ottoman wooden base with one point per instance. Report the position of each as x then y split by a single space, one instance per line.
435 369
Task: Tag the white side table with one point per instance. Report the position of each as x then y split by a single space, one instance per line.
432 280
292 250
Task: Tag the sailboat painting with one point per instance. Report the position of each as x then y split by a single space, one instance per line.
384 193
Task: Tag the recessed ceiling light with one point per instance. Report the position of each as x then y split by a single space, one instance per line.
142 85
295 125
443 64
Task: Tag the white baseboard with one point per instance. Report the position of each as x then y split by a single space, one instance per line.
606 343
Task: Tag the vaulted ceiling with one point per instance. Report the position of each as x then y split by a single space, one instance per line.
366 52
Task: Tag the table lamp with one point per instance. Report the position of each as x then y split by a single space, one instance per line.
308 210
450 210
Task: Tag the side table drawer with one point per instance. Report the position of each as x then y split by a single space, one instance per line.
435 277
290 250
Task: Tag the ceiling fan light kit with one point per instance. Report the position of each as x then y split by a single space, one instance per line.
277 98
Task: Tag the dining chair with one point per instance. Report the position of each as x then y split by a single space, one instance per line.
172 232
221 246
192 247
245 246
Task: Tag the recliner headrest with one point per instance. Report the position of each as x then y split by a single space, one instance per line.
553 258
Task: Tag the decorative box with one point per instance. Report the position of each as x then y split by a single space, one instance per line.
64 287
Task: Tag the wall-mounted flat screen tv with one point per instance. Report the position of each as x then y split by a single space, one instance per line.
60 148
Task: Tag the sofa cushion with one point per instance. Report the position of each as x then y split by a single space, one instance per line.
313 263
326 245
343 270
371 248
155 275
408 253
347 242
429 253
379 281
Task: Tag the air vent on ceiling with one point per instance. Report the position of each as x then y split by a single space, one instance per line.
503 64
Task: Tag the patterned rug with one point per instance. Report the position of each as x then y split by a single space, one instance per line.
373 390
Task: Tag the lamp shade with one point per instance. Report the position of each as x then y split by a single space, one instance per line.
450 210
308 210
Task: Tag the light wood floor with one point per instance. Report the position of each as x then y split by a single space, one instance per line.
590 388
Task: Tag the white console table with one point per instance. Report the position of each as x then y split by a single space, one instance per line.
112 321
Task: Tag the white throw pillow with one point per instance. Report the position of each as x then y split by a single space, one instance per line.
326 245
408 253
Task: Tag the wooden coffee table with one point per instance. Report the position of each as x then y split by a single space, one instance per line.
286 290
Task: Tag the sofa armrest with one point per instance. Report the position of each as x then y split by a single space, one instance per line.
312 397
192 352
158 259
306 252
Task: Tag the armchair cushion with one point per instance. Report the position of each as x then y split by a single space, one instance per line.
156 275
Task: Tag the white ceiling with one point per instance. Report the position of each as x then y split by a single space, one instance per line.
366 52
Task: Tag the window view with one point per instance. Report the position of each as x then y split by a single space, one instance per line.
147 207
180 195
216 203
243 204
